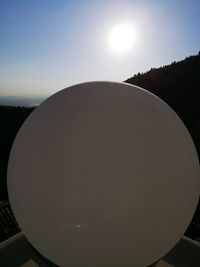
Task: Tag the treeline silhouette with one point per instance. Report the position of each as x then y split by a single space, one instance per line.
177 84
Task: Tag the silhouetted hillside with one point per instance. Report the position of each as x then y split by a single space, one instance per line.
177 84
11 119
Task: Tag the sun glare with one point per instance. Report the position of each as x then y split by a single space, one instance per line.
122 38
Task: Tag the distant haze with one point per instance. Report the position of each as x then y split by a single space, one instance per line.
20 101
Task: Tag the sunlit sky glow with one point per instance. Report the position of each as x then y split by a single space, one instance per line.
48 45
122 38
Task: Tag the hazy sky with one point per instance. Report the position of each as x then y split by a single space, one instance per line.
47 45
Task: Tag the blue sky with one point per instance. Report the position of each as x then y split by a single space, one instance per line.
47 45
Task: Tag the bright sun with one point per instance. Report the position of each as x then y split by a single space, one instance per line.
122 38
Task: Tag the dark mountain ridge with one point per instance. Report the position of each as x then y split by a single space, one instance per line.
177 84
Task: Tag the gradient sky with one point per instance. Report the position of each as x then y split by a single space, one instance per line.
47 45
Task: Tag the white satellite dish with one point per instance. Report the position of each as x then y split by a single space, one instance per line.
103 174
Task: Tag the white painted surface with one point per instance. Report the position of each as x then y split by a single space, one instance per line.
103 174
29 263
163 264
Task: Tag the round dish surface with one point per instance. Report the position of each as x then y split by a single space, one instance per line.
103 174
